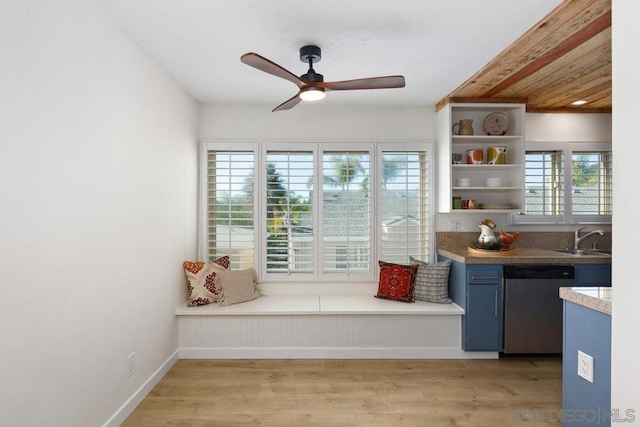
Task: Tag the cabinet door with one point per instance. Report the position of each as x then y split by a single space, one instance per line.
483 318
592 275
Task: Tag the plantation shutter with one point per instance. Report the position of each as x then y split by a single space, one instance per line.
346 212
544 183
289 213
404 195
230 207
592 183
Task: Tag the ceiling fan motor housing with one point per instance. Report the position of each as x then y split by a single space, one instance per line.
310 55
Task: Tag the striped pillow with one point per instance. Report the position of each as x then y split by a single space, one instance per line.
432 281
237 286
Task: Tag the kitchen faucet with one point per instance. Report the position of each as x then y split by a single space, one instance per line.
577 239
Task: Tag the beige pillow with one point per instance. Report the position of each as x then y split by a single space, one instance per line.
237 286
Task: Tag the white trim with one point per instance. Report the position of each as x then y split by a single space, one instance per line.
334 353
128 407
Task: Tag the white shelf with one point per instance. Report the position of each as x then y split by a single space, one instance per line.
465 139
511 173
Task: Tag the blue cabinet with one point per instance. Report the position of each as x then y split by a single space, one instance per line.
478 290
592 275
585 403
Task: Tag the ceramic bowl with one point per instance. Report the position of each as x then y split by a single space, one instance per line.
494 182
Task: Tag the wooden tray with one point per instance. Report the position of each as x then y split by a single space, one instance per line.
488 253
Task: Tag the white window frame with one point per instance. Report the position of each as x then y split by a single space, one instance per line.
374 150
568 218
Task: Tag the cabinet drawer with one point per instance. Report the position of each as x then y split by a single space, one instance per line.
484 274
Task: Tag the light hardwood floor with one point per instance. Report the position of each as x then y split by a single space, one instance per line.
336 393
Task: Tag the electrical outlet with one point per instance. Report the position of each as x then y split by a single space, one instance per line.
131 364
454 225
585 366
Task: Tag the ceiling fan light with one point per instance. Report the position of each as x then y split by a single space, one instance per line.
312 94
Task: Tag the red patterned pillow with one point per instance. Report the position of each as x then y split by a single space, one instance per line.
201 275
396 281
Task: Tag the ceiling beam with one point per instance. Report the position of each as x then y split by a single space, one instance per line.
597 26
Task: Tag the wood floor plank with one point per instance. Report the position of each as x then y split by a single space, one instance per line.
355 393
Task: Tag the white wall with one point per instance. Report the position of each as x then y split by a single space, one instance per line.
316 123
568 127
626 289
98 187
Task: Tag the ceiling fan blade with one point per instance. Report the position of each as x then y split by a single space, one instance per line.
288 104
384 82
263 64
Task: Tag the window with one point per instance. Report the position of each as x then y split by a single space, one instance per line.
312 212
544 183
567 183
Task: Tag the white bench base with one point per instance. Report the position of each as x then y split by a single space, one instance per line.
323 326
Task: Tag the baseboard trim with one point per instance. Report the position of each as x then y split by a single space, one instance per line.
125 410
334 353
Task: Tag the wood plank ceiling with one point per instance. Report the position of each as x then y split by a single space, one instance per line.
564 58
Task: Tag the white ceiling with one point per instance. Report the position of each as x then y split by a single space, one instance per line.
436 45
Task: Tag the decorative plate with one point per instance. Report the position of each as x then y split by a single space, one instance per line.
496 123
491 253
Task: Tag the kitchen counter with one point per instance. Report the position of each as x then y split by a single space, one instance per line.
524 256
596 298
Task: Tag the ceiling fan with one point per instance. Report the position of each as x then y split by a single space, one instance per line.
312 85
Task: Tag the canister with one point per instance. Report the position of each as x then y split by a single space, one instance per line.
457 203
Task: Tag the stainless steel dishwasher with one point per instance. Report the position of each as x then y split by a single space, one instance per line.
533 309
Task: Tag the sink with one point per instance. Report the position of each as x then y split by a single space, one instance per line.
584 252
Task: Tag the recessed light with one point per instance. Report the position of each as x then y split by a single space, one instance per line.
579 102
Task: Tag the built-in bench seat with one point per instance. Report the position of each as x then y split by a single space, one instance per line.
269 305
354 325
